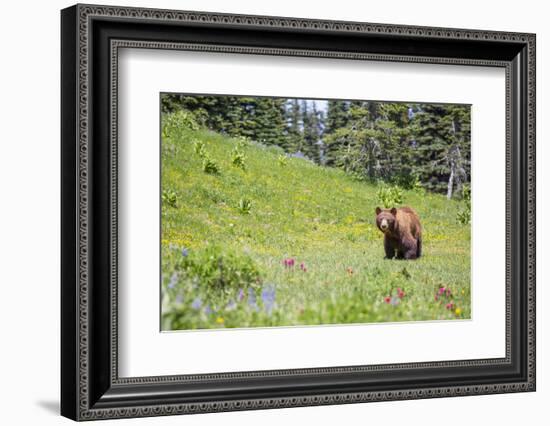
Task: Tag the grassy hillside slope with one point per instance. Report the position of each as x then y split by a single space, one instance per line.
287 242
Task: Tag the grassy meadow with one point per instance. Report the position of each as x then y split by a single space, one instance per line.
273 240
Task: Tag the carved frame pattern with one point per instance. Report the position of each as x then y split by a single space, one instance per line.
85 13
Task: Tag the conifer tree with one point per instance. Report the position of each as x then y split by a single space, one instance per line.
311 131
443 146
294 125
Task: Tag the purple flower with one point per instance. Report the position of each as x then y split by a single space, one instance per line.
395 301
207 310
268 297
179 298
303 267
173 281
240 295
231 305
197 303
185 252
251 296
252 299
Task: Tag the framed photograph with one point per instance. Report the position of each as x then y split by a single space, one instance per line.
263 212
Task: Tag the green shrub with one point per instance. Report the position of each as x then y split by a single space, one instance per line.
243 140
464 215
216 270
198 147
407 181
209 165
244 206
389 196
170 197
176 122
238 159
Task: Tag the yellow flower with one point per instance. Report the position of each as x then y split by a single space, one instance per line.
458 311
219 320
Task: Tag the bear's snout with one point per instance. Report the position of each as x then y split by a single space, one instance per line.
384 225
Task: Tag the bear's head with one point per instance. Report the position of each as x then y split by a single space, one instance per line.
385 219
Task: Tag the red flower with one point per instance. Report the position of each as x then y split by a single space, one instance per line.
400 293
387 299
289 263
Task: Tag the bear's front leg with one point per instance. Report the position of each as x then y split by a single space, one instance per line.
410 254
388 248
408 249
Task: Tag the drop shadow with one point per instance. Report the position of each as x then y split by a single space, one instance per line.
50 406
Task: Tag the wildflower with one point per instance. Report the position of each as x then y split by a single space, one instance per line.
185 252
208 310
179 299
268 297
252 299
387 299
448 292
173 280
240 295
231 305
449 305
394 301
289 263
219 320
400 293
303 267
441 290
251 296
197 303
458 311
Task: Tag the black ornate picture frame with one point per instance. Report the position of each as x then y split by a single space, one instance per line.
90 385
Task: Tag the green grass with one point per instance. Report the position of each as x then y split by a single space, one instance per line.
237 225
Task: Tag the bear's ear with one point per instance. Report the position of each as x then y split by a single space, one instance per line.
378 211
393 211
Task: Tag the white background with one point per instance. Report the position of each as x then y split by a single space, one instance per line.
29 225
140 343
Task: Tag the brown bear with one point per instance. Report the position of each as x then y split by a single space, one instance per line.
402 232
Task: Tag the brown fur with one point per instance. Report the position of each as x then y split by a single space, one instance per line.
403 235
